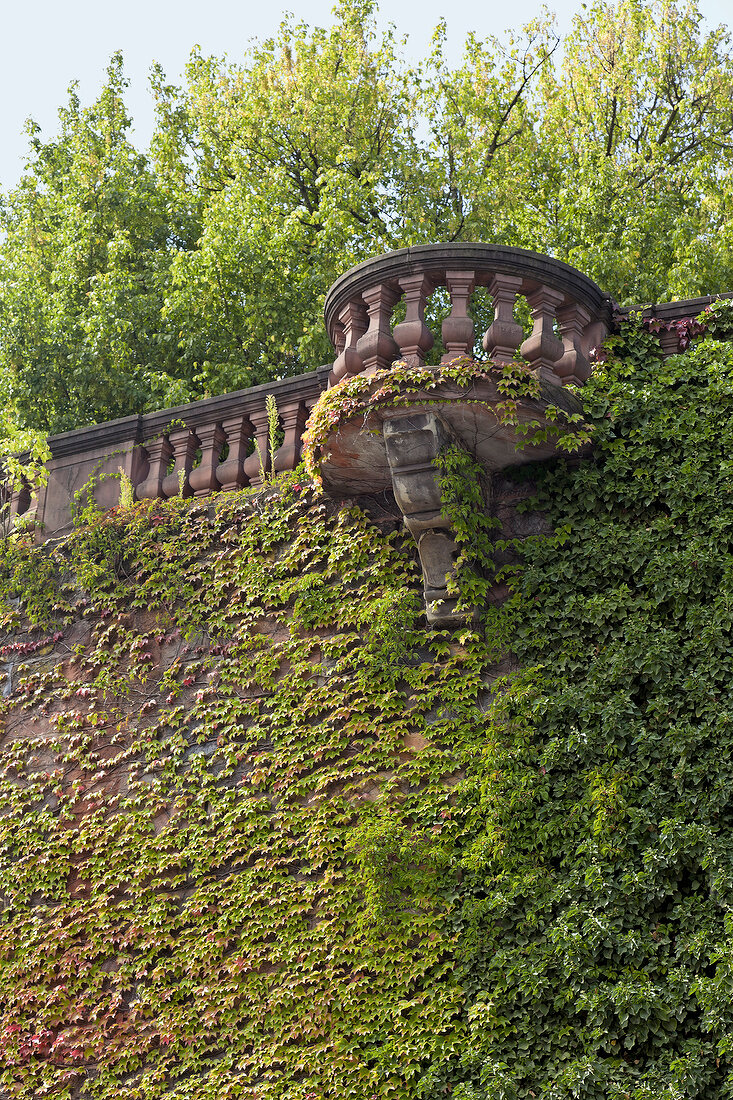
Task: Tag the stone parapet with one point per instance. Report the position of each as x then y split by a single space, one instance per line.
195 449
570 313
221 443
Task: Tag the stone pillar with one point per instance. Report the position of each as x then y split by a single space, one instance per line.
353 323
669 340
238 431
593 336
159 452
542 349
339 337
413 337
260 432
204 478
504 334
457 328
573 366
20 502
377 346
293 418
184 443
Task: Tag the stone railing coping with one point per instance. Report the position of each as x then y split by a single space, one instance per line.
138 428
108 433
674 311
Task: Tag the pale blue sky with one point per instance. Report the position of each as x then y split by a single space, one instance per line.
49 43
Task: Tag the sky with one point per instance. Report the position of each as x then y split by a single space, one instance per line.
50 43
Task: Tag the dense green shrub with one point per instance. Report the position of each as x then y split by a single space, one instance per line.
596 919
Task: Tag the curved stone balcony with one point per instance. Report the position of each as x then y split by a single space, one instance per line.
390 433
570 313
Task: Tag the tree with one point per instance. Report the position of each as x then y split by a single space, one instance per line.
298 155
130 281
617 160
84 268
639 137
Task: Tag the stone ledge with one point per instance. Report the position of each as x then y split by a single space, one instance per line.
356 461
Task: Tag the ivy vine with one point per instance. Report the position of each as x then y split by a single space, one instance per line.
264 834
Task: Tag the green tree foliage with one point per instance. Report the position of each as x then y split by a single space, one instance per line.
298 153
610 150
89 238
130 280
638 133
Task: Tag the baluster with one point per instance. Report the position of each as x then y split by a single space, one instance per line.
6 499
457 328
377 346
413 337
669 340
204 479
293 419
542 348
159 453
136 467
573 366
20 501
593 336
238 431
352 323
260 432
504 334
339 337
184 443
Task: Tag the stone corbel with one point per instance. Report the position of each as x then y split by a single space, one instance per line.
413 444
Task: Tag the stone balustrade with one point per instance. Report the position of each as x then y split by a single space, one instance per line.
194 450
209 446
570 313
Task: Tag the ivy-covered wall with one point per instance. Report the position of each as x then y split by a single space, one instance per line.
264 834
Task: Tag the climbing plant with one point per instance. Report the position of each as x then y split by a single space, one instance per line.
227 761
356 398
264 834
595 916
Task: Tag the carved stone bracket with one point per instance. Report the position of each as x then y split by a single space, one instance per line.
413 444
